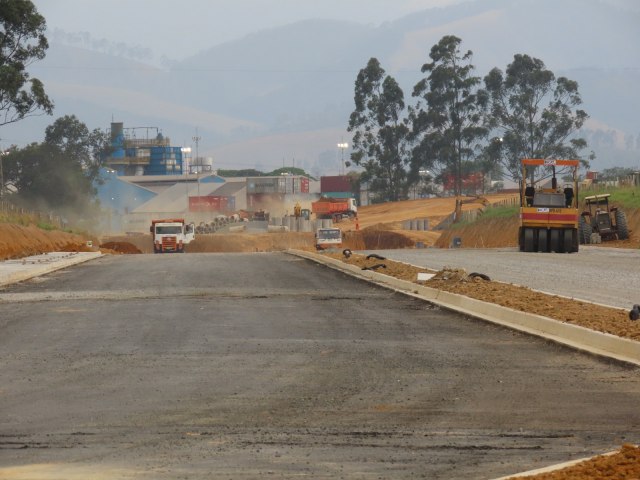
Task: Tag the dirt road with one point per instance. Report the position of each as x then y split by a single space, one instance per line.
244 366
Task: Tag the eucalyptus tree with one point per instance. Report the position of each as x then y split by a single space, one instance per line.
380 132
533 113
448 118
22 41
59 173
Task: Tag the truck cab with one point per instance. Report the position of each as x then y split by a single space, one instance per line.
171 235
328 238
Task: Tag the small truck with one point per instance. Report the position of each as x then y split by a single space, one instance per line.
328 238
171 235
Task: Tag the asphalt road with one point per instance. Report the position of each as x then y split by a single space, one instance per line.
253 365
601 275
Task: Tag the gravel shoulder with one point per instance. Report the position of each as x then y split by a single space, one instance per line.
594 274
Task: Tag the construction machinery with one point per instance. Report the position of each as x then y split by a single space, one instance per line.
261 216
606 222
334 208
464 201
328 238
549 216
171 235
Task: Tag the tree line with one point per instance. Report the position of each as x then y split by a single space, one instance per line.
459 123
60 172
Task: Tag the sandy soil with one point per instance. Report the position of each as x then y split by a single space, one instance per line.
393 214
390 216
624 464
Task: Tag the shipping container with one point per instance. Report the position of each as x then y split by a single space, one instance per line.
286 184
209 203
263 185
337 183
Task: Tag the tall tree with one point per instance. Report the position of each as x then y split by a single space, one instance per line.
447 121
380 139
22 41
59 173
533 114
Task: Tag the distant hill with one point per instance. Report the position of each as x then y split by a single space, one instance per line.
283 95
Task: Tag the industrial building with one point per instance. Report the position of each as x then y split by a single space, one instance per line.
135 152
146 178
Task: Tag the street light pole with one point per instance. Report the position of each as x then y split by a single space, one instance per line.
342 146
197 139
185 169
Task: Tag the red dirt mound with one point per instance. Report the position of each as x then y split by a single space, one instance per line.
120 247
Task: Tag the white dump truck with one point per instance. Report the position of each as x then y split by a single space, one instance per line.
171 235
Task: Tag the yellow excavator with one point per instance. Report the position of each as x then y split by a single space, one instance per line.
463 201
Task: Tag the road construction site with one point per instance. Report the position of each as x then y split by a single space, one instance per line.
271 365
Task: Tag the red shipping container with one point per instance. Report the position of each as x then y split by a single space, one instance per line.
208 203
337 183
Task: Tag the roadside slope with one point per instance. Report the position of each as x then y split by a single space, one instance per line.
17 241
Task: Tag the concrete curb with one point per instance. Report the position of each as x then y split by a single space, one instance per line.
574 336
14 271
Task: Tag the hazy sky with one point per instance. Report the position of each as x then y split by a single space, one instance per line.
180 28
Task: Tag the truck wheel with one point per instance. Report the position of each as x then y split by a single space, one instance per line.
528 239
543 245
621 225
567 240
584 231
554 242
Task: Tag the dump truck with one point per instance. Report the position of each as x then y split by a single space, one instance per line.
334 208
171 235
549 217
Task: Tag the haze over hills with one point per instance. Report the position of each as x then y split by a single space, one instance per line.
284 95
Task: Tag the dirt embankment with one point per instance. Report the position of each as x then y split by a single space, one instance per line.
17 241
